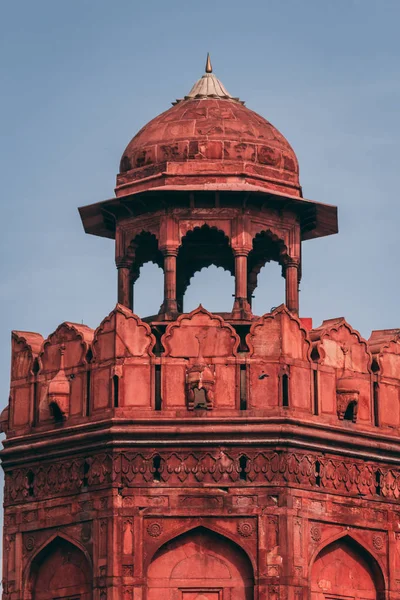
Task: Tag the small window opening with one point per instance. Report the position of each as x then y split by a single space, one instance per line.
316 398
35 403
116 391
376 403
157 388
378 486
56 412
157 468
317 473
85 480
285 390
200 399
315 354
243 387
30 480
349 414
89 356
87 407
243 470
35 370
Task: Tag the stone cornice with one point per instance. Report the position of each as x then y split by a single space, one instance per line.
226 432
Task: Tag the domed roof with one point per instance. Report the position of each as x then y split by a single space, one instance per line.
209 138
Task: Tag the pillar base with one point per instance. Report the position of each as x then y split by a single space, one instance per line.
168 310
241 309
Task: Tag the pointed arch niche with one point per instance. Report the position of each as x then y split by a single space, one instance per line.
200 565
345 569
60 570
206 249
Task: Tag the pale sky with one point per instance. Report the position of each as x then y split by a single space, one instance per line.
80 78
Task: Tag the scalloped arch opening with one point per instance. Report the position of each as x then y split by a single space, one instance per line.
205 260
267 258
270 289
149 290
144 249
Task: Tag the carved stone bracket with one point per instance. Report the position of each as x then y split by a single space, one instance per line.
347 404
200 382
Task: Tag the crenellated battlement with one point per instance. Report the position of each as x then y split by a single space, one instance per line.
202 366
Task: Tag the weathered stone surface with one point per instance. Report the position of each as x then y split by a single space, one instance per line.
201 456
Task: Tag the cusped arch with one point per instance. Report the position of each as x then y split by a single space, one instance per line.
75 337
43 579
200 334
200 247
212 534
122 334
339 555
267 246
279 333
26 347
385 349
142 249
337 334
188 228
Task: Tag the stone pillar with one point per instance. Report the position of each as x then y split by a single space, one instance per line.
241 306
125 284
170 307
292 286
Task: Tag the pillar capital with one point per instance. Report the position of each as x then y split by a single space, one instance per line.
169 250
241 251
292 263
124 262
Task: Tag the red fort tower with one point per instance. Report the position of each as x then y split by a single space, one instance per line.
199 456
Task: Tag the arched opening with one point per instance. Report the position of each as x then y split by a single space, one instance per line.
265 273
149 290
344 569
200 248
200 565
350 412
213 287
147 274
60 570
270 290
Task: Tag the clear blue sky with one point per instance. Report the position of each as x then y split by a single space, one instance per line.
80 77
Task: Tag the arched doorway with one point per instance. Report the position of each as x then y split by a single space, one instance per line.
200 565
61 570
344 569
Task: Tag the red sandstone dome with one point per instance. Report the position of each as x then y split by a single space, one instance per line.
209 139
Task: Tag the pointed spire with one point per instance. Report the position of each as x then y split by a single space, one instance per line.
208 64
208 86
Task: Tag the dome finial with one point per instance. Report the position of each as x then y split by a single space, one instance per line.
208 64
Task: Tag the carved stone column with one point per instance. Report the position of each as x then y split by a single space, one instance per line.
125 283
292 286
241 306
170 307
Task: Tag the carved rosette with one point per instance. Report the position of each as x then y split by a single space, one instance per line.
245 528
154 529
315 533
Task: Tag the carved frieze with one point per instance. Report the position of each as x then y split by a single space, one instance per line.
133 469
